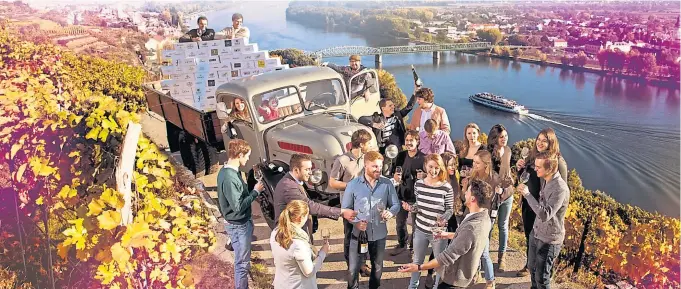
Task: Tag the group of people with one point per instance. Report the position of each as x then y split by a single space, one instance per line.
453 198
203 33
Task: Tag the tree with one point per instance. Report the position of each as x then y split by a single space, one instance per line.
496 50
517 53
580 59
441 35
390 90
565 60
490 35
418 31
542 57
166 17
516 39
506 51
603 57
648 64
427 37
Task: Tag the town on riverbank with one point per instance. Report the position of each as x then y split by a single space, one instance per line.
65 115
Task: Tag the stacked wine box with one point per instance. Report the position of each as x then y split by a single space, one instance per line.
197 69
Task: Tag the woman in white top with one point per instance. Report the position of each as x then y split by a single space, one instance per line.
296 261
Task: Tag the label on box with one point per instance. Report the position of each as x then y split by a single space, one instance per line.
236 73
203 53
167 70
261 55
272 62
212 74
202 68
246 72
225 50
201 77
214 51
237 50
224 78
250 48
248 56
225 65
189 62
167 84
237 65
186 46
191 53
239 41
182 76
224 74
250 64
211 44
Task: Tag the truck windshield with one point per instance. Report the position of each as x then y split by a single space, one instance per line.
277 104
322 94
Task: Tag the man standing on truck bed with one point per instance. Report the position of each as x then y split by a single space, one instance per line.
360 86
291 188
237 30
203 33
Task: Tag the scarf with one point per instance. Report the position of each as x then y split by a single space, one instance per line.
299 234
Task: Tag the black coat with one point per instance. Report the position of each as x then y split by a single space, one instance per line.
401 129
209 34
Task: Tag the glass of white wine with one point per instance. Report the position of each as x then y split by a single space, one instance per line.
326 234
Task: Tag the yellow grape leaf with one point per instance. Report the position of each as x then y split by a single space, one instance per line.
170 250
109 220
115 286
121 255
66 193
136 235
39 201
112 198
104 134
15 148
20 172
106 273
76 234
104 256
159 274
95 206
93 134
62 251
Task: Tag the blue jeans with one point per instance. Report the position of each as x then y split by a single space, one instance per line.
503 214
540 262
421 241
486 263
241 235
376 251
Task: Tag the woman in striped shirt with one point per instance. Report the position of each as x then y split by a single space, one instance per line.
433 208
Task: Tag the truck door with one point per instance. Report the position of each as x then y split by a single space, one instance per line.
367 80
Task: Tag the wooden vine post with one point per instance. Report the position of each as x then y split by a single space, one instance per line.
124 170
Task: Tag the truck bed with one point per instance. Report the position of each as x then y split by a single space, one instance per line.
202 125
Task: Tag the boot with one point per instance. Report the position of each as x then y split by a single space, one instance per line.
490 285
502 262
523 272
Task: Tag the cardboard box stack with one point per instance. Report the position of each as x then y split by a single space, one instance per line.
197 69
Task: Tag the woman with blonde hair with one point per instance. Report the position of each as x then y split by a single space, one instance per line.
296 261
546 141
433 208
483 169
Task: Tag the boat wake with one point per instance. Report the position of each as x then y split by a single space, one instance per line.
539 117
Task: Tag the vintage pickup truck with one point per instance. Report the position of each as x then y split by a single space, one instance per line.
315 115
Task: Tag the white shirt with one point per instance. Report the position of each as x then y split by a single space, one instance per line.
227 165
425 116
294 267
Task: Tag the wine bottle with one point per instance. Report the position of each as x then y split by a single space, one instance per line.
363 242
417 79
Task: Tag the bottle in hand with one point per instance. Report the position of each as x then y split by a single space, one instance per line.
417 79
363 241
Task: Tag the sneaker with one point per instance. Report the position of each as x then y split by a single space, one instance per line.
490 285
365 271
523 272
397 250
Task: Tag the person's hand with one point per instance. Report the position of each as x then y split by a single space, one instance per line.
406 206
416 88
259 187
421 175
523 189
408 268
362 225
229 34
378 125
464 182
386 215
520 164
442 222
196 39
445 235
348 214
325 247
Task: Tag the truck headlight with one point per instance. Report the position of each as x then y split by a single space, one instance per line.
316 176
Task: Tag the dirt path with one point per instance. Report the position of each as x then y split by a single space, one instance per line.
334 271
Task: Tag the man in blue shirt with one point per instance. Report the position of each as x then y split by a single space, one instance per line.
365 194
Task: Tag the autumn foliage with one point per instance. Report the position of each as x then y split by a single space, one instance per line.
62 122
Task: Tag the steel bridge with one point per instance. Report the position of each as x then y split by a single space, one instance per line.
378 52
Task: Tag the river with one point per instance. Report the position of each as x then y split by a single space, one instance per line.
621 136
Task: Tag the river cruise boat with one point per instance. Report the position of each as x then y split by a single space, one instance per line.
498 102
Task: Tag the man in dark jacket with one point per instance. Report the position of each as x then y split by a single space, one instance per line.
388 125
291 188
203 33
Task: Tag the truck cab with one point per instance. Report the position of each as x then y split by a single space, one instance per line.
304 110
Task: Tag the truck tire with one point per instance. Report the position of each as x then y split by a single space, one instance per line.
172 131
212 162
198 158
185 141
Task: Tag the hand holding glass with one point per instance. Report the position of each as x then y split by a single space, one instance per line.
326 234
524 177
381 208
257 173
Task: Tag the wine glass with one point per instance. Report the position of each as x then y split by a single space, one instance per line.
524 177
398 172
257 173
381 207
326 234
524 153
465 171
